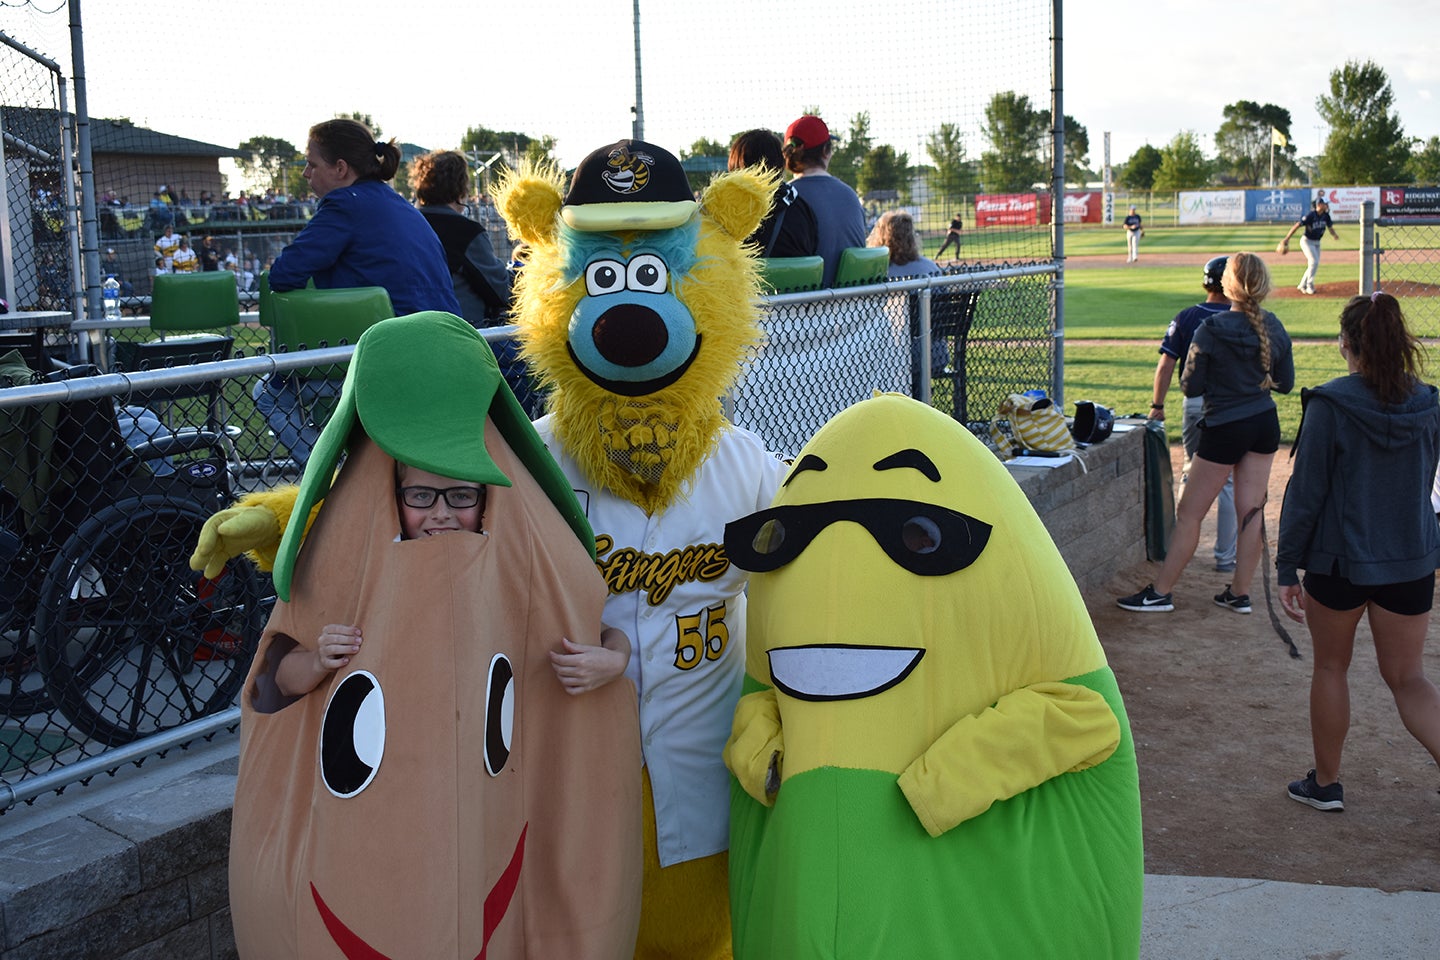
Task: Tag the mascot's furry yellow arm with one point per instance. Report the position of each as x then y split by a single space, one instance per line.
646 370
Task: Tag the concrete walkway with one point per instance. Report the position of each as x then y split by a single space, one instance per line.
1217 918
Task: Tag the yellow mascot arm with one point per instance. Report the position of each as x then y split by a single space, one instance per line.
757 745
1028 737
254 526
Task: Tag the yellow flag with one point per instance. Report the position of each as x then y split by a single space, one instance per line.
1278 139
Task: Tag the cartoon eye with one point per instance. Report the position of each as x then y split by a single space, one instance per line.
352 734
647 274
604 276
499 714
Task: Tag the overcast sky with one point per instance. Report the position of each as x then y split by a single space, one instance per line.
1141 69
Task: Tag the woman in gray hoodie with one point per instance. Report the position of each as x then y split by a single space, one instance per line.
1236 359
1358 520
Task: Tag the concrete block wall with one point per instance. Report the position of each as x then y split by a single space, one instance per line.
1094 506
142 874
139 877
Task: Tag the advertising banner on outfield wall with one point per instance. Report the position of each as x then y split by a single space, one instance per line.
1284 206
1085 207
1345 201
1032 209
1212 206
1410 201
1009 209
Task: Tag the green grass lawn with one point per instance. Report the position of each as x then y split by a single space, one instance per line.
1137 304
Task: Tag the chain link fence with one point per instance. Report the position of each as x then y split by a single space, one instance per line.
986 334
112 648
39 250
1402 255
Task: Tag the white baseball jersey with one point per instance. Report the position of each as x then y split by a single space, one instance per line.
183 260
682 604
166 246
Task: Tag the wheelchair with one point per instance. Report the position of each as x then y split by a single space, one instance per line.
100 616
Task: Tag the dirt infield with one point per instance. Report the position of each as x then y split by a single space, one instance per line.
1220 716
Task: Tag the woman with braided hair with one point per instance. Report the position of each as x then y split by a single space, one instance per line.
1236 359
1358 520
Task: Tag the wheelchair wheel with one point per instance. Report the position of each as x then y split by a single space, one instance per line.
129 639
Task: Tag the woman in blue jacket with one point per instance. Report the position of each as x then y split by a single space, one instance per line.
363 234
1357 519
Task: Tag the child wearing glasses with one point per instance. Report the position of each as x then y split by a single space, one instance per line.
431 505
408 675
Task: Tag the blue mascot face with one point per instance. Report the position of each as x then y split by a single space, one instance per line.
629 333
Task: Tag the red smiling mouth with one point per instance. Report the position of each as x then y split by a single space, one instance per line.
497 902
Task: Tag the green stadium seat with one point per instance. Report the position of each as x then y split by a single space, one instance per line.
862 265
789 274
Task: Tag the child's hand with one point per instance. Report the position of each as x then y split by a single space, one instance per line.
337 644
583 667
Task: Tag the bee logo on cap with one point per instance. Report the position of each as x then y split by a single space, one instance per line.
629 172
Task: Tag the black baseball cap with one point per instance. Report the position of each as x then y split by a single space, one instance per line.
628 185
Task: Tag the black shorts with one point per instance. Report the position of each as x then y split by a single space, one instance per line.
1406 599
1229 442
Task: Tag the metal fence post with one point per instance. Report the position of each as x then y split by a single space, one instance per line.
1367 248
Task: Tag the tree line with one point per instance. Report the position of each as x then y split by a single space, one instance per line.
1367 144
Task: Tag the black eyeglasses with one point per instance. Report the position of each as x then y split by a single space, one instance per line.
457 498
924 538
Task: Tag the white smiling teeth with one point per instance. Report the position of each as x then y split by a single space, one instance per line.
840 671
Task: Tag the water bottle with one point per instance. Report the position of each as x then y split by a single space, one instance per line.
110 292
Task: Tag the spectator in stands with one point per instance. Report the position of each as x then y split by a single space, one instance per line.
110 266
363 234
160 213
839 216
481 282
789 230
896 230
184 260
166 245
209 255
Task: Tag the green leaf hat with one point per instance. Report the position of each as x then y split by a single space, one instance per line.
420 387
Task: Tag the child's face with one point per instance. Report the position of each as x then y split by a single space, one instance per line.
419 486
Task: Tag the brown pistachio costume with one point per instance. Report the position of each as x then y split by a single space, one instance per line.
441 796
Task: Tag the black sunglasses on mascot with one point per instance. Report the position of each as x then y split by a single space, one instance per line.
924 538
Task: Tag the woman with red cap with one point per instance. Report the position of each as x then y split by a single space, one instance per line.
838 214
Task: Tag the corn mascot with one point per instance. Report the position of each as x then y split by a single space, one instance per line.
932 758
440 795
636 308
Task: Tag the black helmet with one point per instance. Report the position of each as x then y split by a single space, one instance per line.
1214 270
1092 422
